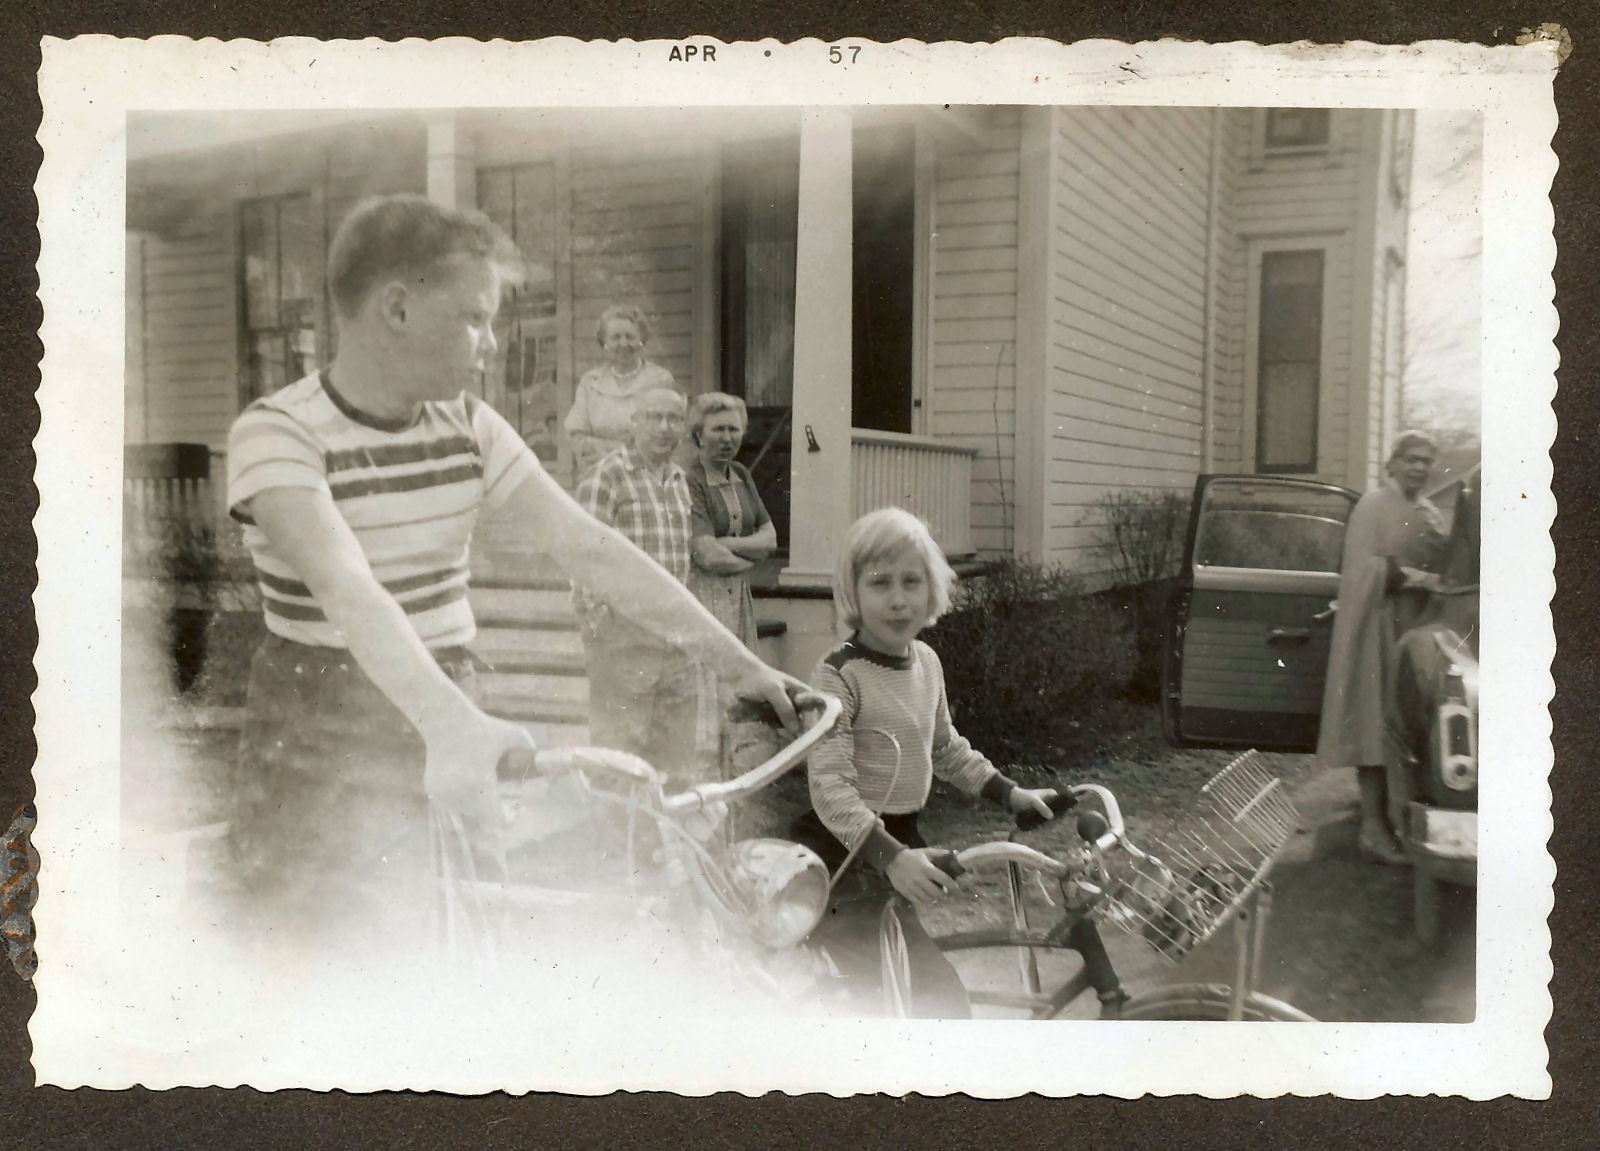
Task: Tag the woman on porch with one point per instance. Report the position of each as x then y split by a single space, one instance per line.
602 409
731 527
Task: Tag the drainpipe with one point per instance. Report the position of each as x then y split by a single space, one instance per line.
1208 350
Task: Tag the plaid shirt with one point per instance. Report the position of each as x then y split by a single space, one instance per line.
655 515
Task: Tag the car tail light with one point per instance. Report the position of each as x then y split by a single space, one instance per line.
1458 746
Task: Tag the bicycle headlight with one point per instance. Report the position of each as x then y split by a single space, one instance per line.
785 887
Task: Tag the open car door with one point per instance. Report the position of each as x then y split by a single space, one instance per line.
1247 640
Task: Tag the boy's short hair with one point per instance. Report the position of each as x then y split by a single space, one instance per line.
880 535
406 238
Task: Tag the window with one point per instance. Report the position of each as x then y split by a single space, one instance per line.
280 263
1297 128
522 384
1289 361
1276 528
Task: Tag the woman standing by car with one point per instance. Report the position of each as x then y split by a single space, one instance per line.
731 527
1392 546
602 410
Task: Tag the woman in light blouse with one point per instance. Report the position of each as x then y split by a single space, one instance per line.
602 409
730 527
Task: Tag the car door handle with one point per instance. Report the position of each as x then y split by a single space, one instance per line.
1325 616
1289 636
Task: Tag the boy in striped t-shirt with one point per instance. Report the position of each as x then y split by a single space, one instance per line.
871 776
359 488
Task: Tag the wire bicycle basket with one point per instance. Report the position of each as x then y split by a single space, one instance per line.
1195 879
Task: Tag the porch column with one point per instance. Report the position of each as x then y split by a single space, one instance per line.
452 168
821 504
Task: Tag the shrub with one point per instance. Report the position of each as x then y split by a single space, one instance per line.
232 638
1028 659
1141 536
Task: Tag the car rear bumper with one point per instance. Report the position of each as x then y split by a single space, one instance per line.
1445 842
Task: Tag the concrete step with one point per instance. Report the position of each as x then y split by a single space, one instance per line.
532 711
532 650
543 608
502 690
547 734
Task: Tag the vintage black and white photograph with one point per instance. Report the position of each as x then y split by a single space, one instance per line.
784 565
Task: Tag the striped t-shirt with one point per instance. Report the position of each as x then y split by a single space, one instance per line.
856 773
409 489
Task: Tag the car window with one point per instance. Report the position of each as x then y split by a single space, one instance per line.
1283 527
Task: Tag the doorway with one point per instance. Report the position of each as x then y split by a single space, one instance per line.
884 169
760 213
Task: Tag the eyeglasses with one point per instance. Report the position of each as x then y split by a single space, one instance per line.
670 419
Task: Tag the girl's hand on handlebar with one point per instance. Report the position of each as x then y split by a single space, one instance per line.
1036 800
917 877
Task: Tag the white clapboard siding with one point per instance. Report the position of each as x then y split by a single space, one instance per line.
972 384
1281 197
1228 359
185 311
636 239
1386 349
1127 316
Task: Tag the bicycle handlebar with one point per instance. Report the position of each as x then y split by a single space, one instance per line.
758 777
1115 831
565 760
1060 802
988 856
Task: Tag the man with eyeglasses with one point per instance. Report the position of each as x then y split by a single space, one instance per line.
644 696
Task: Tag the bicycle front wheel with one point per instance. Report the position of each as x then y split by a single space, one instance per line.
1208 1001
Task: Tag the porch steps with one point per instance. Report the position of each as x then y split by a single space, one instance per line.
528 635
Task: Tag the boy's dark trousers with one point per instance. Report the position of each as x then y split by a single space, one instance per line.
850 929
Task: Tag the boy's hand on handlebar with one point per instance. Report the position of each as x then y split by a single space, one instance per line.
1034 799
461 769
786 694
917 877
703 824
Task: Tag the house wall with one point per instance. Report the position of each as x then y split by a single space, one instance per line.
639 226
185 306
1126 315
636 231
1391 165
1228 287
182 317
972 371
1288 201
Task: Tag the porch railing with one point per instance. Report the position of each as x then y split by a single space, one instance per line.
173 520
930 477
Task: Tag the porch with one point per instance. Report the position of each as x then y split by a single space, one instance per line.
181 550
806 285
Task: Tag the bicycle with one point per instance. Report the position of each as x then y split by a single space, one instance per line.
1205 877
740 905
752 905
